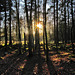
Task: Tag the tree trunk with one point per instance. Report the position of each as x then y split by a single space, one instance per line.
44 16
65 21
10 41
54 23
68 22
38 31
57 23
24 36
19 36
28 23
0 29
72 28
5 27
16 23
31 29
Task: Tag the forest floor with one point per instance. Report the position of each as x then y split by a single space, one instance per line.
61 62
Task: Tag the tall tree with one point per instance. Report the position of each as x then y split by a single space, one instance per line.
16 21
44 19
68 20
10 41
24 35
5 26
31 28
65 20
0 26
38 31
72 28
19 35
57 23
54 23
28 23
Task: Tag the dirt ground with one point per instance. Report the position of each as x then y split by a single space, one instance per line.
61 62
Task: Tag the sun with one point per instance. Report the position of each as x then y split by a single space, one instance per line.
39 25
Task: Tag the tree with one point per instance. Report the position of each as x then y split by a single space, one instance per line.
31 28
44 21
72 28
10 41
28 23
54 23
36 28
38 31
68 20
65 20
19 35
57 23
5 26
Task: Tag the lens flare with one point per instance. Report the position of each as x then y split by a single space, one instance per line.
39 25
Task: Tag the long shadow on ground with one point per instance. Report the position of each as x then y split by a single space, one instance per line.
33 66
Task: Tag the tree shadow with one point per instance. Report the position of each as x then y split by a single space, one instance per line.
9 64
33 66
67 68
51 67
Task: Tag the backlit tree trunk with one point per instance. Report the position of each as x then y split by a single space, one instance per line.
10 41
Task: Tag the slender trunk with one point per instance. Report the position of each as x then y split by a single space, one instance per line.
63 28
54 23
28 23
43 28
72 28
19 36
31 29
24 36
65 21
38 31
5 27
68 22
45 1
0 29
16 31
10 41
16 23
57 23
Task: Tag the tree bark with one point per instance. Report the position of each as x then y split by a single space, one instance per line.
54 23
57 23
44 16
28 23
72 28
5 26
10 41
